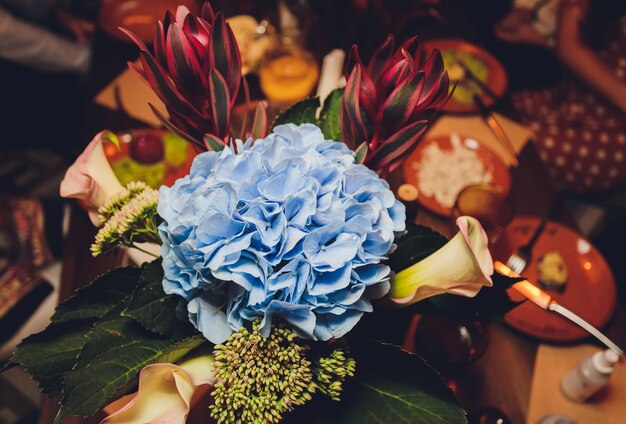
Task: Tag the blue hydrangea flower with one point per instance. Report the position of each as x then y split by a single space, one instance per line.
289 227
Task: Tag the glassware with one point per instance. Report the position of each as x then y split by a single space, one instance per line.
489 416
450 344
287 75
488 204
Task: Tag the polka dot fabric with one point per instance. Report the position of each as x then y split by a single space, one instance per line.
580 137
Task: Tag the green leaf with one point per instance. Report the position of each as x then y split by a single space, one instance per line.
92 352
398 144
220 102
152 308
390 386
330 120
48 355
116 350
214 143
6 365
301 113
259 122
100 297
173 128
418 243
361 153
176 352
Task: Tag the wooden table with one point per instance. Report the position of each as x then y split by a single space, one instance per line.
501 378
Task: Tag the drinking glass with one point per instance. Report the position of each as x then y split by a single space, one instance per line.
287 75
488 204
450 344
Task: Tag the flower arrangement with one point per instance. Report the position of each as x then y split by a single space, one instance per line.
277 251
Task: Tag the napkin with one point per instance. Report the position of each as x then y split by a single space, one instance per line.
551 364
135 95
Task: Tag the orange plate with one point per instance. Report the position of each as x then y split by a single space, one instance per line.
496 74
491 162
590 290
137 16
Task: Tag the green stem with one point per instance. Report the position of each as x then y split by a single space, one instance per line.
143 250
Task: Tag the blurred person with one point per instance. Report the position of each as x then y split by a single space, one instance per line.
25 40
580 124
45 55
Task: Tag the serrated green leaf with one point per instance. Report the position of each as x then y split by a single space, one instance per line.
302 112
48 355
176 352
92 352
415 245
390 385
330 120
6 365
153 308
100 297
116 350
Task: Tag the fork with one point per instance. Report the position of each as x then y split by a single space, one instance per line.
522 256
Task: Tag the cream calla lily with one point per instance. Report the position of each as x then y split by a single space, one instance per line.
462 266
165 392
91 179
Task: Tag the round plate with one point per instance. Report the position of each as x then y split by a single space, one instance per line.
490 161
590 291
178 155
137 16
483 65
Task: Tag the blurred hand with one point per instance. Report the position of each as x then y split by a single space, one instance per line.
516 27
80 28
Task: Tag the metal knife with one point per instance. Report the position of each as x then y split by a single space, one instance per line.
545 301
471 76
496 129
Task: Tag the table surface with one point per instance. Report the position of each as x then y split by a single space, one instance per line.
501 378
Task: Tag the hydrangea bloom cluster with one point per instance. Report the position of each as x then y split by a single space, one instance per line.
288 227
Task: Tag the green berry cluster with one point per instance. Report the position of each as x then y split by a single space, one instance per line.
130 217
260 378
330 372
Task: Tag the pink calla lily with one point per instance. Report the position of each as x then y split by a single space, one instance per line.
165 392
91 179
462 266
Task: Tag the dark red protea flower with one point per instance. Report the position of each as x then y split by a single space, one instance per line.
196 71
387 105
